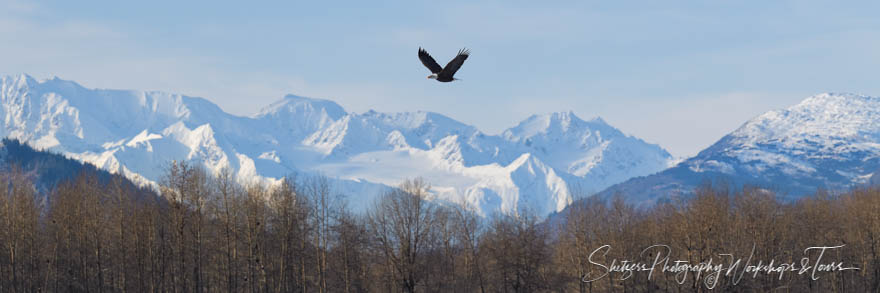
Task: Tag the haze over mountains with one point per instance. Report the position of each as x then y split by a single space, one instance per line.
137 133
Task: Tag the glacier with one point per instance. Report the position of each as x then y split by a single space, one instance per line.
534 165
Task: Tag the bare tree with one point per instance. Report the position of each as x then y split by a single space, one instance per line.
468 227
404 223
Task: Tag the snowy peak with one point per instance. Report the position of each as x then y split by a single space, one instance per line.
370 131
541 131
526 184
590 149
297 105
558 123
300 116
824 115
826 126
427 123
829 141
533 176
38 110
19 82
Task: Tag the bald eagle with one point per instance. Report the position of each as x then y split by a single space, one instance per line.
443 74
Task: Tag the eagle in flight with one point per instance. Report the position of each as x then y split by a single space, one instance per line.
443 74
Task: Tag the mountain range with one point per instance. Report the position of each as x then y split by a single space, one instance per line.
137 133
828 141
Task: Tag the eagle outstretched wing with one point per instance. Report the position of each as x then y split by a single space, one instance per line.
429 62
455 64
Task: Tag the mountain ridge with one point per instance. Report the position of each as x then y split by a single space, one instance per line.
827 141
134 132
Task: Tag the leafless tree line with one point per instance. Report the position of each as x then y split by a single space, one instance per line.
209 234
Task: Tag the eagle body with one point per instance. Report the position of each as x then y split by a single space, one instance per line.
443 74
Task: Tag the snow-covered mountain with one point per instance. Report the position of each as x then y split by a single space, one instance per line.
829 141
590 149
136 133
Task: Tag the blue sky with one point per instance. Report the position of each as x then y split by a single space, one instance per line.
677 73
